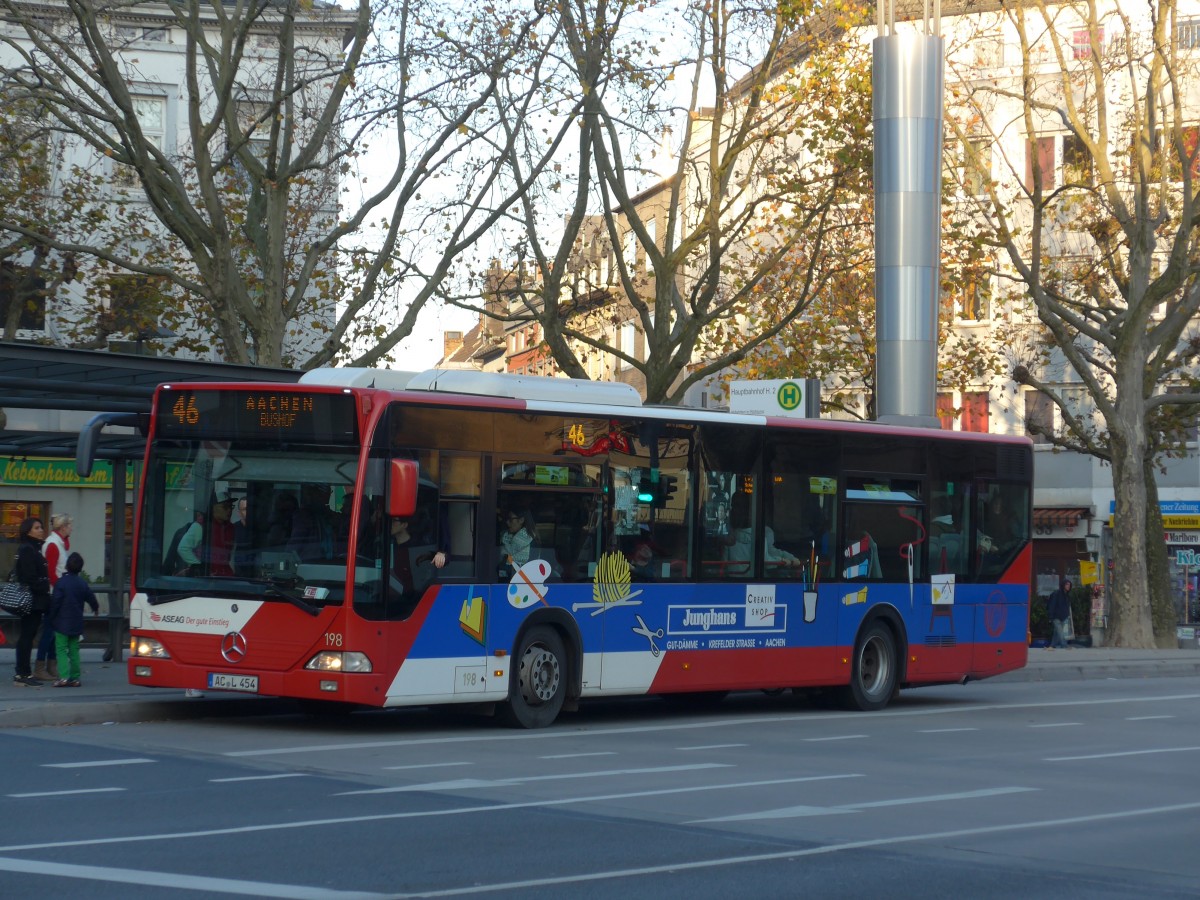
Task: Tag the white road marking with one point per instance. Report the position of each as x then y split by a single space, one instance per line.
418 814
712 747
441 765
944 730
1145 718
839 737
258 778
98 762
1056 725
467 784
66 793
794 812
674 868
1125 753
177 881
492 738
579 755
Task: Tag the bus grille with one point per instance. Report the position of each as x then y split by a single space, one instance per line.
941 640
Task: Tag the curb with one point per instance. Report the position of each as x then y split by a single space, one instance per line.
114 709
1084 671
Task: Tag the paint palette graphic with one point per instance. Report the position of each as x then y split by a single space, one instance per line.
528 585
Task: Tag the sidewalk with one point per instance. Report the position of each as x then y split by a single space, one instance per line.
106 695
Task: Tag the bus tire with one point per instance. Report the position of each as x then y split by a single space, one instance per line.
873 677
539 680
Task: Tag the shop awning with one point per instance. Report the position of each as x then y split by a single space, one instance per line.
1059 517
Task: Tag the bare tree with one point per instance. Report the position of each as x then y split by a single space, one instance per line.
752 194
275 224
1104 247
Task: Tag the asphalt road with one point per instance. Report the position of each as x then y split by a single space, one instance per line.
1026 789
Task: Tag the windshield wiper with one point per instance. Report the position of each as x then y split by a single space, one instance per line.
275 589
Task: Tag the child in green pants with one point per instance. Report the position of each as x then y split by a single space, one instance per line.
66 618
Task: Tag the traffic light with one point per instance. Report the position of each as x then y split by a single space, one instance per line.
647 489
657 489
667 485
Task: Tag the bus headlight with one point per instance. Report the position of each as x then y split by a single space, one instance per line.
342 661
148 647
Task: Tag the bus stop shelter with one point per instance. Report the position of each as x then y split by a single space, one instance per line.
118 387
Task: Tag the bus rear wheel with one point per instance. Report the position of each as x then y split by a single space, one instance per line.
539 680
873 676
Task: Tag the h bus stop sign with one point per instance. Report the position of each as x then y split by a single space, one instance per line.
797 398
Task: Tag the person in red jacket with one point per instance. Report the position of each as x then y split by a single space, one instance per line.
55 549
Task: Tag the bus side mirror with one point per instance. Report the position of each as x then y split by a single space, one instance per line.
402 487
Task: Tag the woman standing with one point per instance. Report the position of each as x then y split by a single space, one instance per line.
56 549
31 570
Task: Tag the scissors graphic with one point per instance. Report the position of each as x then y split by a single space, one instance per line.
645 632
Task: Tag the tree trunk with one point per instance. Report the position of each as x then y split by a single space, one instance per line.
1162 603
1130 622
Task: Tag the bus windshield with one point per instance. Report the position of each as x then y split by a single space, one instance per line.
254 520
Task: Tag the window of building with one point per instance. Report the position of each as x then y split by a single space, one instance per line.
1077 161
977 166
131 33
1076 401
20 286
131 304
975 301
1039 416
628 343
1184 416
12 514
1081 42
975 411
1188 32
151 115
1039 158
945 411
254 118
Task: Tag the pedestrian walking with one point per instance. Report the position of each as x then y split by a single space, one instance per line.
31 570
1058 608
66 618
56 549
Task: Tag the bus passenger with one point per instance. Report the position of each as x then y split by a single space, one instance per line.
742 548
412 567
641 561
220 538
515 543
188 550
313 527
283 511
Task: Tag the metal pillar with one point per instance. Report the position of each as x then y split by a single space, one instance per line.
908 88
117 574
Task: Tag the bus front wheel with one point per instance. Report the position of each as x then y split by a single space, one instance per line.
873 675
539 681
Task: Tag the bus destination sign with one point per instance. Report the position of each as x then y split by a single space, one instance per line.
232 414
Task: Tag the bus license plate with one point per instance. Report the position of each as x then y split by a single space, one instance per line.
219 681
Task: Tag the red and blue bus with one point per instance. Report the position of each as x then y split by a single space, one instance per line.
383 539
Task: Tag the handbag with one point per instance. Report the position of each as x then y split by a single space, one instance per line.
15 597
